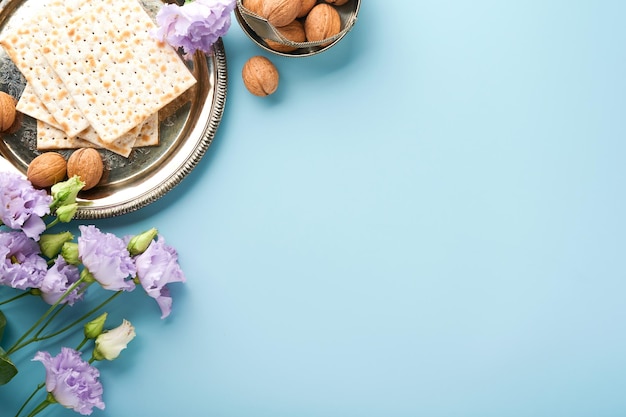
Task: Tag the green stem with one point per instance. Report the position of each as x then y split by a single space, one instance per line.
17 297
81 344
53 223
37 338
84 316
40 386
44 316
50 319
40 407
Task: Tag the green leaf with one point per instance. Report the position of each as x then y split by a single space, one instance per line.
7 369
3 323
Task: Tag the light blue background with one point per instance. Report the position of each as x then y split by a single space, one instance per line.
426 220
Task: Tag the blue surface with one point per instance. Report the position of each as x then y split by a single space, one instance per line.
426 220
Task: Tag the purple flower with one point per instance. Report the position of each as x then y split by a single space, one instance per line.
196 25
157 267
105 256
22 206
21 265
72 382
59 278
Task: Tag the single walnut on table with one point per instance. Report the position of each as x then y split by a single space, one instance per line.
260 76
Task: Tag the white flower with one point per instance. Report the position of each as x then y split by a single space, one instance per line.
110 343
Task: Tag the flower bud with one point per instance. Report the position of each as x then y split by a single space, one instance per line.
65 192
65 213
138 244
110 343
69 252
51 244
87 276
94 328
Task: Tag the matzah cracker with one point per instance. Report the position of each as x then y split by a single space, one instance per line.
23 45
30 104
117 74
149 133
146 134
51 138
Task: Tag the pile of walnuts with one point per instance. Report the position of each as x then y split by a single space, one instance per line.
298 20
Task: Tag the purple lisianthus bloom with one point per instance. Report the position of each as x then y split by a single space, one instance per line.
22 206
196 25
59 278
105 256
21 265
73 382
157 267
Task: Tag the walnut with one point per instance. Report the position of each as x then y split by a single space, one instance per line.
7 111
337 2
280 12
306 7
260 76
294 31
322 22
46 169
87 164
255 6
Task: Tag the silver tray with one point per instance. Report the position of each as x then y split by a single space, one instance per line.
187 127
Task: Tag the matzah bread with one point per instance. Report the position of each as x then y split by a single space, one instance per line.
149 133
51 138
117 74
145 134
29 104
23 45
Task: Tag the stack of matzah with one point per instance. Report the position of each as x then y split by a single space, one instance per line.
95 76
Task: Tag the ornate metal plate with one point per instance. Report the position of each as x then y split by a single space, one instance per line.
187 127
